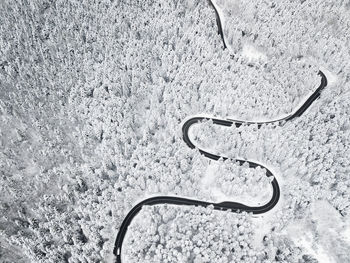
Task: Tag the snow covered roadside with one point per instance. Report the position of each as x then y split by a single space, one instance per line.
92 96
324 234
267 223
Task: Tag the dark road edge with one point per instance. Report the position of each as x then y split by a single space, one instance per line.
223 206
219 24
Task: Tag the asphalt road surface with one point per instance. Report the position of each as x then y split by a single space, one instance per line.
223 206
232 206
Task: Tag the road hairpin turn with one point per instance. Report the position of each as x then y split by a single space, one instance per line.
223 206
232 206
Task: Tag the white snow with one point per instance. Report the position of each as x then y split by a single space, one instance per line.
322 235
252 53
92 99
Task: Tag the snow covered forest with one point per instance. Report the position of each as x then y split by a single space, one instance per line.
93 95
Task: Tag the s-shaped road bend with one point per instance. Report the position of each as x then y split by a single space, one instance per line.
223 206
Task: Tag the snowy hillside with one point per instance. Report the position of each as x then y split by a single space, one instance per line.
93 95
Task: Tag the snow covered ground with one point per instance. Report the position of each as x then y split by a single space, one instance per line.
92 98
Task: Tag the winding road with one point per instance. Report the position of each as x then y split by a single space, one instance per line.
223 206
